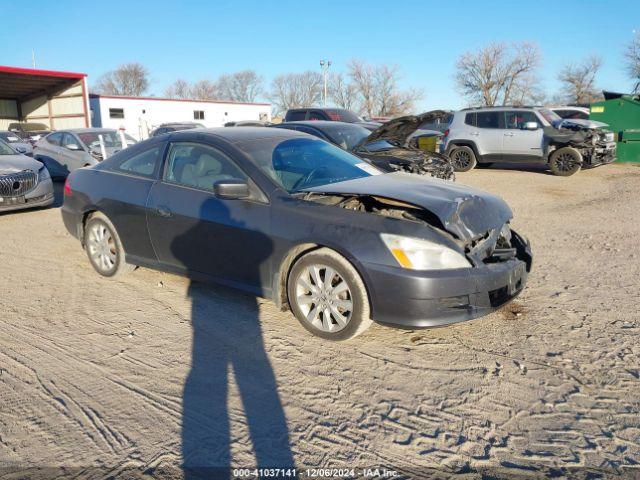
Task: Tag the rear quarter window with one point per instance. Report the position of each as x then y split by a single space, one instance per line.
470 119
143 163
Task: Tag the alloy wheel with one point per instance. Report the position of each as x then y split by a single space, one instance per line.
324 297
102 247
566 162
461 159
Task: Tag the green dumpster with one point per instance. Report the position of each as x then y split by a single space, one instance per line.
622 113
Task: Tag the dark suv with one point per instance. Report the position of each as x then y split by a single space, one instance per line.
330 114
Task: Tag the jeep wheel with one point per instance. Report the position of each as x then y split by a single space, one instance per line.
462 158
565 161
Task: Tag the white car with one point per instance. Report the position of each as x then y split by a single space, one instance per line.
17 143
486 135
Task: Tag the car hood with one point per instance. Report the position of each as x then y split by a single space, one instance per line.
581 124
463 211
18 163
398 130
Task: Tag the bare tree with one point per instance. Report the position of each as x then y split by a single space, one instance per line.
342 93
204 90
578 81
242 86
178 89
378 90
498 73
129 79
632 59
295 90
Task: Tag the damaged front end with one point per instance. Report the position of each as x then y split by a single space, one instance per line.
442 225
399 154
411 161
596 145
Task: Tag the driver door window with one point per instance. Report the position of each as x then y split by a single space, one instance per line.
518 119
199 166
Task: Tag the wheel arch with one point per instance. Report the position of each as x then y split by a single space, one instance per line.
463 143
281 277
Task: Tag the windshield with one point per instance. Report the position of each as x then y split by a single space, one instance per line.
10 137
111 139
346 136
6 149
550 116
300 163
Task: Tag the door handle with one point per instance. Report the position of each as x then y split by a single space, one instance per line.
475 133
509 134
164 212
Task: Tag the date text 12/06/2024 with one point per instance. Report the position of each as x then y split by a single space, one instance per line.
240 473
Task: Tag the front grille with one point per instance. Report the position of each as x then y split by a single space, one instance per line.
17 184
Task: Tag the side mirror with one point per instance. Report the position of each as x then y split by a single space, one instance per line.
20 149
231 189
73 146
531 126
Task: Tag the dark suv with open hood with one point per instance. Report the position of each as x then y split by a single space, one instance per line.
389 147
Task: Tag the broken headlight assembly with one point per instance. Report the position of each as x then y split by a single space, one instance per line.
421 254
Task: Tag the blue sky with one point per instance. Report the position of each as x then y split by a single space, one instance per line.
200 39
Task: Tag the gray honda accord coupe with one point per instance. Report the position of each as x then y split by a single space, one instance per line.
24 182
296 219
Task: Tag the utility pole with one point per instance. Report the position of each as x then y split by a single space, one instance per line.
33 58
324 65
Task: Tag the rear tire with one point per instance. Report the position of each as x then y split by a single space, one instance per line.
565 161
104 248
462 158
335 308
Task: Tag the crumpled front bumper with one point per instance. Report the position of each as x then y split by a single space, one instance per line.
415 299
603 155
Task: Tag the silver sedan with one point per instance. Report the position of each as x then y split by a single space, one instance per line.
64 151
24 182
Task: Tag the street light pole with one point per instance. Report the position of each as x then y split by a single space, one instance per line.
324 65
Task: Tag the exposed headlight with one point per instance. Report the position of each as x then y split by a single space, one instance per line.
420 254
43 174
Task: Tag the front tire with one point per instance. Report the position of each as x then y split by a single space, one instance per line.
328 296
462 158
104 248
565 161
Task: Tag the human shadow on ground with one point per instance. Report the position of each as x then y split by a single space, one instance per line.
227 340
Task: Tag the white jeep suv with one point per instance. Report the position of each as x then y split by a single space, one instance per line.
526 135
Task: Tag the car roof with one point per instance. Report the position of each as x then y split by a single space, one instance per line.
502 107
86 130
234 135
317 123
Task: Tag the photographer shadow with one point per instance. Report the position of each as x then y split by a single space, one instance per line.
227 339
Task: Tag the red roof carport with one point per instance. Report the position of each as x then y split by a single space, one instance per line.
58 99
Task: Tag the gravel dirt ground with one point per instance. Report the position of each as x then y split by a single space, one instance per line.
104 377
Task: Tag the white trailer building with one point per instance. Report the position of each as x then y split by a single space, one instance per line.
138 116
